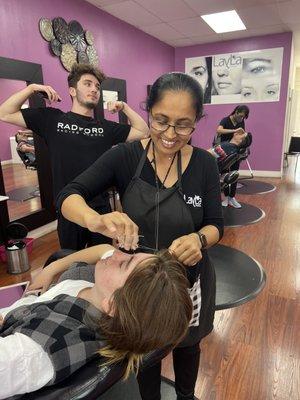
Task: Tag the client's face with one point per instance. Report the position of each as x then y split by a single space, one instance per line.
111 273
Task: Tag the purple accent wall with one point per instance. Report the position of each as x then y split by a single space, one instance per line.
266 120
128 53
7 88
124 51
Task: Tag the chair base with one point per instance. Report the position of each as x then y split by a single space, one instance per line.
245 215
254 187
129 390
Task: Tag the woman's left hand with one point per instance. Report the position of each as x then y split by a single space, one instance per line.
187 249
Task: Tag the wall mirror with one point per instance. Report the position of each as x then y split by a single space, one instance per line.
29 189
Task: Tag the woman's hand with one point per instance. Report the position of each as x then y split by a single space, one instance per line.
187 249
1 320
115 225
43 279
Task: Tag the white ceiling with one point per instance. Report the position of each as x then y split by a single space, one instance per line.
178 22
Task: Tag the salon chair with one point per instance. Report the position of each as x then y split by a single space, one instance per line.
225 164
92 380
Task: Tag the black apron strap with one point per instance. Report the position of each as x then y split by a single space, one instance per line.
142 161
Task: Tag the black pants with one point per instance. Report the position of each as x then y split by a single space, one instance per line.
74 237
186 365
231 189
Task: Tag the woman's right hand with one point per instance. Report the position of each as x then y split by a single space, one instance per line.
115 225
43 279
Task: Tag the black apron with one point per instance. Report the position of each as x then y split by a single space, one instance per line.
139 202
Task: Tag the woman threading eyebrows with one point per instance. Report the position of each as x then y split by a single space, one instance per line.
170 196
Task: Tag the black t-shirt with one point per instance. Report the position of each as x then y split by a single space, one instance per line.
200 181
228 124
74 141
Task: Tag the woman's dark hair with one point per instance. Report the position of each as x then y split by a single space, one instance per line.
176 81
241 109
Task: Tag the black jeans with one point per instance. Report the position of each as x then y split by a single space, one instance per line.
186 365
231 189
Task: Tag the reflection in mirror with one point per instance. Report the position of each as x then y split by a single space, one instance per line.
110 95
17 155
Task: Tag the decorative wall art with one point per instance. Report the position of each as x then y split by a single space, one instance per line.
69 41
248 76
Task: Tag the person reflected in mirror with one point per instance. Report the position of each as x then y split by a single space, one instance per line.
228 126
109 310
75 139
25 145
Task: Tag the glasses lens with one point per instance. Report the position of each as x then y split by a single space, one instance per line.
184 130
159 126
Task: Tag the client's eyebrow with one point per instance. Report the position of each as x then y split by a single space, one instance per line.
128 262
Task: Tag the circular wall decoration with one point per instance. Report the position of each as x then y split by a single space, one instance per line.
92 55
82 57
69 41
46 29
89 37
68 56
55 47
77 38
61 30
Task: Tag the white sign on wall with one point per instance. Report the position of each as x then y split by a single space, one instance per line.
244 77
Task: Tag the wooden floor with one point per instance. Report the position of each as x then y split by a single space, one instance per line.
16 176
254 351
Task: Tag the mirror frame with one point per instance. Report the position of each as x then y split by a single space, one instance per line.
30 73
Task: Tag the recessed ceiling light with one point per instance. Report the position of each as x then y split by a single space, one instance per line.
227 21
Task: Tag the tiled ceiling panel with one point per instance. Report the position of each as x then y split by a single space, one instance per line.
192 27
132 13
167 10
163 32
202 7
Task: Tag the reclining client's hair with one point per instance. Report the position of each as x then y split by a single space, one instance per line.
151 311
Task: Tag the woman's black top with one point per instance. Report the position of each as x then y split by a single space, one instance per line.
228 124
200 181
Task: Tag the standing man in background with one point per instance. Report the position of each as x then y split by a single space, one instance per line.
75 139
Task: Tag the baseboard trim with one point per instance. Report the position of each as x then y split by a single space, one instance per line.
43 230
5 162
261 174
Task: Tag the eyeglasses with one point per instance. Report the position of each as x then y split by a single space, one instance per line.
180 130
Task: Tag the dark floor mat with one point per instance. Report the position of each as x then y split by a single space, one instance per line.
24 193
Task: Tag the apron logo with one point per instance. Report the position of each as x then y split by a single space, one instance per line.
195 201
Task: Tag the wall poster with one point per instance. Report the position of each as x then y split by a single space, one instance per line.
244 77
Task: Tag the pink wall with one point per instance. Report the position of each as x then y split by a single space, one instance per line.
124 51
266 120
7 88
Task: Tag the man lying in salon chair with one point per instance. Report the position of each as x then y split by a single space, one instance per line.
139 302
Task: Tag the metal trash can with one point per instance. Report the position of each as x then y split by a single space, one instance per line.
17 257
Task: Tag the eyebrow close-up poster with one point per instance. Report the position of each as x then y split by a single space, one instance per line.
252 76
